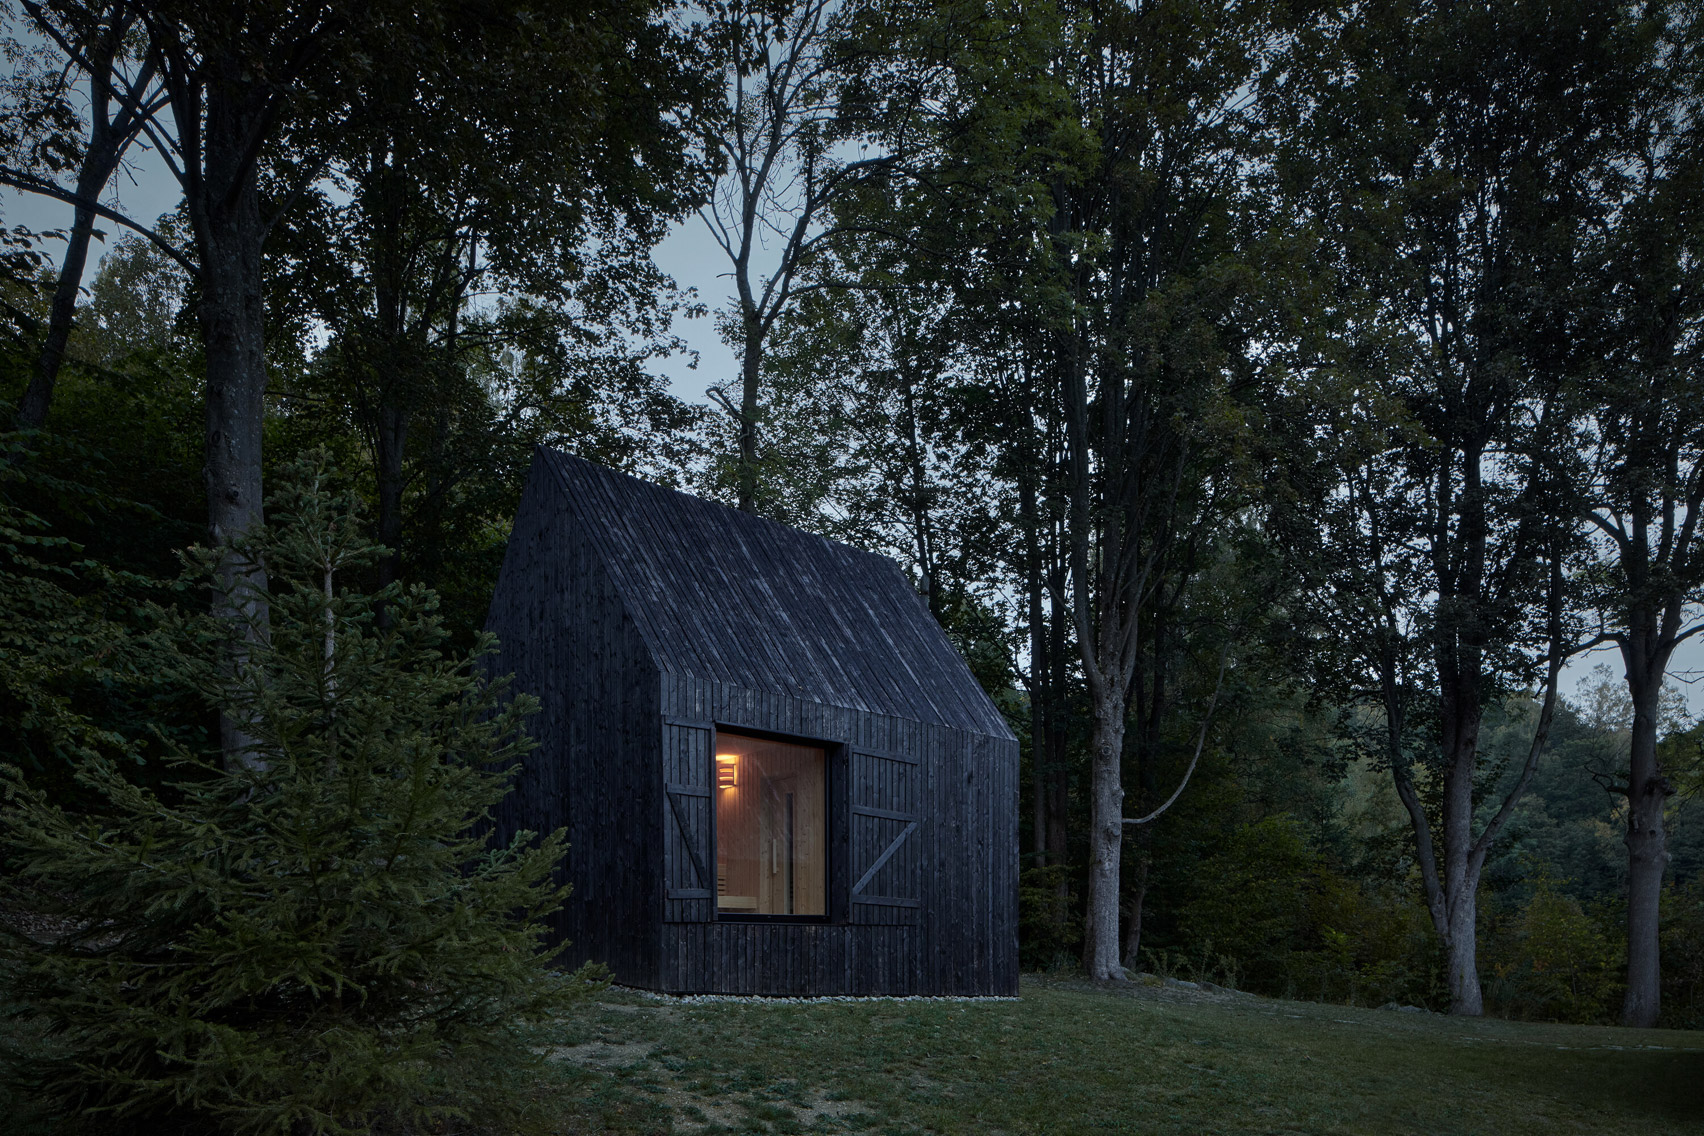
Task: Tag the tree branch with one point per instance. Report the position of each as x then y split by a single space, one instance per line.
1200 742
30 183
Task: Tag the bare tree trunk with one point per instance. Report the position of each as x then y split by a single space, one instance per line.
1149 693
1106 834
1105 595
1462 945
921 500
751 368
1138 899
392 439
107 141
1059 770
1452 887
1039 669
1647 850
230 234
1461 721
1038 790
393 361
98 165
1452 893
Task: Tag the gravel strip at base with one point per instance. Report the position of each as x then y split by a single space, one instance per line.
773 1000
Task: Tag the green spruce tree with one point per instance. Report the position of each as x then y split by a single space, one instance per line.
322 938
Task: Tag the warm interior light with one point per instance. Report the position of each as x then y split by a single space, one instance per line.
771 828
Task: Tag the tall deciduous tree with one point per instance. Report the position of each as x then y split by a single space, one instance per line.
237 79
792 145
232 79
258 98
1449 154
465 178
1143 255
1086 166
1645 438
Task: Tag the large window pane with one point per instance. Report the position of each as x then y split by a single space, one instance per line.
771 822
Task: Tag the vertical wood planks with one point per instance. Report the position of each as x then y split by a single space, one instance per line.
689 856
885 844
639 618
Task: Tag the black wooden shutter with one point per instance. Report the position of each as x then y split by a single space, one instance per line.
884 859
689 853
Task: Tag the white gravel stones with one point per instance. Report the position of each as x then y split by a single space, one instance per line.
767 1000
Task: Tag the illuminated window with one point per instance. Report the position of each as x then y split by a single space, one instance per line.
771 827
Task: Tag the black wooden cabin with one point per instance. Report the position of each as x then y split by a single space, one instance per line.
777 775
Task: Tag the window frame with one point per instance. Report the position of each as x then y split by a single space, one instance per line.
834 755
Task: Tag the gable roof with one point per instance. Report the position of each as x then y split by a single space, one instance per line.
723 595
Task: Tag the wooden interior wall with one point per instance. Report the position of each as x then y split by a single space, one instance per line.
771 825
565 634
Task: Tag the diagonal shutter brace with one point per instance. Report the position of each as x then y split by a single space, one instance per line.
680 825
887 855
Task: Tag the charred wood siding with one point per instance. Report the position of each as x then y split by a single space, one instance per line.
722 594
959 864
645 620
884 837
564 632
689 850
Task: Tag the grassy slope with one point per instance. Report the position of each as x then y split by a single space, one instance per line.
1069 1058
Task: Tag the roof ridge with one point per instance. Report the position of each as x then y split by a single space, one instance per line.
740 515
758 603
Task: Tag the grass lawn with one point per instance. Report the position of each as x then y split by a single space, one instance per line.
1068 1057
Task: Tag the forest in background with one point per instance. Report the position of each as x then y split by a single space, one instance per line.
1267 398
